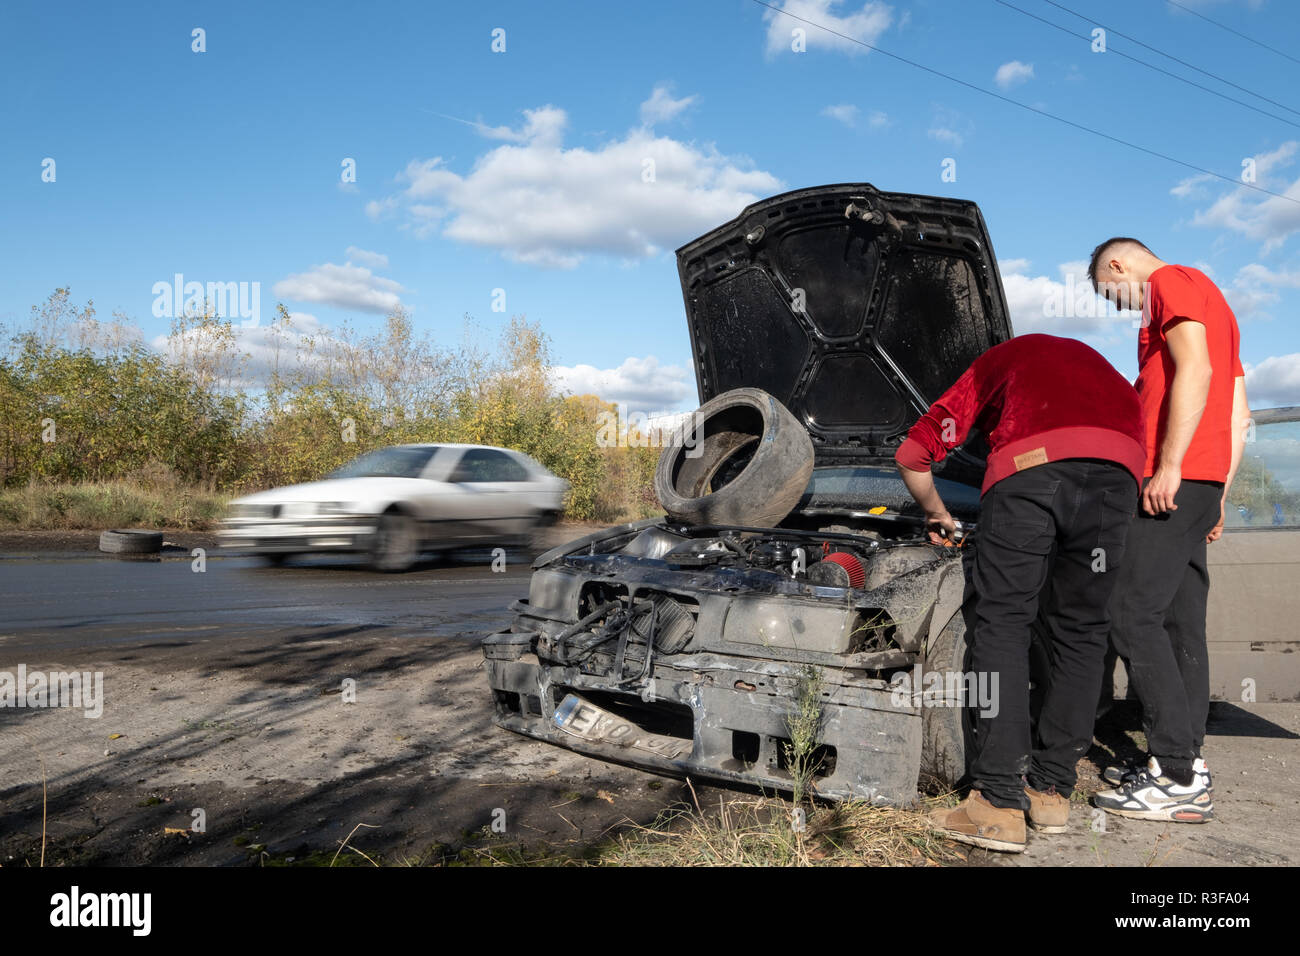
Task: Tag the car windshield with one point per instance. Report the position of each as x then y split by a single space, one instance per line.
387 463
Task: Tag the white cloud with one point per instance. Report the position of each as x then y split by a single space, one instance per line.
864 25
1262 274
949 126
539 202
1255 287
378 209
1266 219
845 113
373 260
543 126
661 107
346 286
945 135
643 384
1012 73
1274 381
851 116
1191 186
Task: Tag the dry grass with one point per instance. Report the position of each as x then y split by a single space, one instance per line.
762 832
108 504
754 831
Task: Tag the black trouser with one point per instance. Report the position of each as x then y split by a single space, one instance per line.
1079 511
1158 622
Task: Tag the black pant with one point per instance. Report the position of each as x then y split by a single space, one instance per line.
1058 528
1158 622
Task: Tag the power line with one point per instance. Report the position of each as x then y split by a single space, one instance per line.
1170 56
1026 106
1151 66
1224 26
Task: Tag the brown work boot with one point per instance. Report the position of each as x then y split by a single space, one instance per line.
1049 812
978 822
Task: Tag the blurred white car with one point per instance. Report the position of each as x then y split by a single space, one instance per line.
394 503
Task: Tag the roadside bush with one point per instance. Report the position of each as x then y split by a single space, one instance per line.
75 416
84 403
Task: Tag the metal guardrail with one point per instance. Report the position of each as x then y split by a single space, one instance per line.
1270 416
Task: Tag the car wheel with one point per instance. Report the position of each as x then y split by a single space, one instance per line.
396 544
946 732
748 462
540 534
131 542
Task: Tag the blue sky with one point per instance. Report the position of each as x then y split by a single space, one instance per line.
521 170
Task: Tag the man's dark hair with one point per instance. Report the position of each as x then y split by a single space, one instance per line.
1097 253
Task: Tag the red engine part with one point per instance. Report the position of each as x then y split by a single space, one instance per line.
857 574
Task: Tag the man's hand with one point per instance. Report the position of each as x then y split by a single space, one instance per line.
937 524
1217 531
1158 496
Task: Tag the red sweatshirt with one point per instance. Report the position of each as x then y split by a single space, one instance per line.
1037 398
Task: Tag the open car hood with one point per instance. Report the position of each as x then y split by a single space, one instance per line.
856 308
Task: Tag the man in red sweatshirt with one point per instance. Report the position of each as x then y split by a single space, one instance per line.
1193 392
1060 487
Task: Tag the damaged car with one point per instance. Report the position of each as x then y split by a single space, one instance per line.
791 563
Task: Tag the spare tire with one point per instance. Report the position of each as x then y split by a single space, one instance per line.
131 542
748 462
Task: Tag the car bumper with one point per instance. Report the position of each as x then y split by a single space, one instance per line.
728 724
297 534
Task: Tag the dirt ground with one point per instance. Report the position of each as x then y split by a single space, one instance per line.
279 762
257 732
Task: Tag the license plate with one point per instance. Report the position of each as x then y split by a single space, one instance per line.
583 719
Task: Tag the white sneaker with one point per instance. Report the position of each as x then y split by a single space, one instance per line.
1150 795
1119 774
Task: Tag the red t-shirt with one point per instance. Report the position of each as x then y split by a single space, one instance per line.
1175 294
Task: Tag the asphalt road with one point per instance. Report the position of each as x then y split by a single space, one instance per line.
78 603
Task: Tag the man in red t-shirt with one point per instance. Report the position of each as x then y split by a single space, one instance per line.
1193 393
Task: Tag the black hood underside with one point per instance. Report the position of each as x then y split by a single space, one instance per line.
855 308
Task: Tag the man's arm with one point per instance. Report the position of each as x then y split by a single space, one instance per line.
921 485
1240 423
1187 395
943 427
